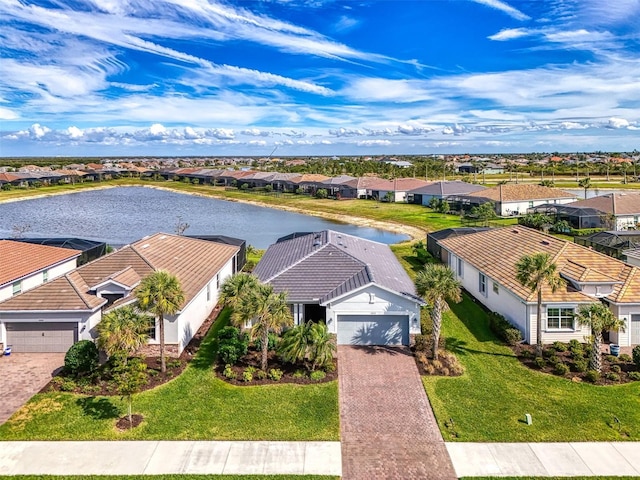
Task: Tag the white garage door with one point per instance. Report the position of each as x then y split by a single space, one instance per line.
373 330
41 337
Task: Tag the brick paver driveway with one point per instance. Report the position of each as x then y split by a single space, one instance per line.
22 375
388 430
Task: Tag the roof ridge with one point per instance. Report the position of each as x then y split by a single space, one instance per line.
297 262
75 287
627 282
135 250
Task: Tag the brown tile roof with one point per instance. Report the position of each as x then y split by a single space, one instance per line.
19 259
495 252
193 261
616 203
310 177
363 182
8 177
521 192
127 277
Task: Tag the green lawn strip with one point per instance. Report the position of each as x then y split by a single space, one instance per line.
194 406
169 477
489 401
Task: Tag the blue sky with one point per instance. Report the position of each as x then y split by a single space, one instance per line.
318 77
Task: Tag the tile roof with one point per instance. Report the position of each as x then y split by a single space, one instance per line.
616 203
322 265
19 259
9 177
496 252
309 178
521 192
444 188
193 261
339 180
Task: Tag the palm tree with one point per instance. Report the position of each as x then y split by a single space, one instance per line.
311 342
535 272
586 184
267 310
437 284
598 318
160 294
122 332
235 286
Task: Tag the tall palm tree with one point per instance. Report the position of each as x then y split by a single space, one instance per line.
267 310
235 286
122 331
598 318
535 272
586 184
160 294
437 284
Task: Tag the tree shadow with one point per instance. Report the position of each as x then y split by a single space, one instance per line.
382 349
474 317
208 348
459 347
98 408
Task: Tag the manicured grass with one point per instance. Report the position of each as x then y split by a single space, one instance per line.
169 477
194 406
489 401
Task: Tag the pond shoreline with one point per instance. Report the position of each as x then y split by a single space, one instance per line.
413 233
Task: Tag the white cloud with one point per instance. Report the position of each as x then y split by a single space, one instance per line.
504 7
8 114
371 143
510 34
386 90
345 24
74 132
618 123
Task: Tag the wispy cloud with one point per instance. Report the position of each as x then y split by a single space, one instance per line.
505 8
510 34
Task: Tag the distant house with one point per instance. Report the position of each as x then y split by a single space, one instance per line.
52 316
334 184
433 239
396 188
623 208
308 182
440 190
356 286
632 256
357 188
485 264
515 199
611 243
487 168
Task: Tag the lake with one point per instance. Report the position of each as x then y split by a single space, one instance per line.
122 215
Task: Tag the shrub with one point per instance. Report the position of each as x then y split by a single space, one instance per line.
173 363
540 362
299 374
317 375
275 374
512 336
616 368
261 374
634 376
548 352
526 354
581 365
625 358
68 385
228 354
592 376
421 343
228 333
247 376
573 343
613 376
244 186
81 358
503 329
635 353
231 345
559 347
321 193
611 359
561 369
553 359
229 373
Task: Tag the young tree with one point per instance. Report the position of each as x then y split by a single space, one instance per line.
129 379
122 331
598 318
535 272
160 294
436 284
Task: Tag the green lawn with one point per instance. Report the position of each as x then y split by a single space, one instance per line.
194 406
489 401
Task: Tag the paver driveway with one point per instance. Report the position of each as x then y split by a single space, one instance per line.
387 427
22 375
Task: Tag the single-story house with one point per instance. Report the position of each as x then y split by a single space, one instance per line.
632 256
481 167
440 190
53 316
576 216
611 243
356 286
333 184
308 182
485 264
433 238
24 266
357 188
515 199
397 188
623 208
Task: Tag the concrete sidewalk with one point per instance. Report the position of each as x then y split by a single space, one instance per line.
545 459
160 457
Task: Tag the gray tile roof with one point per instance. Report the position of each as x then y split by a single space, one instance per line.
319 266
444 188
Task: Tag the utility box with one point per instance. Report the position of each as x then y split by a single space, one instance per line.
527 417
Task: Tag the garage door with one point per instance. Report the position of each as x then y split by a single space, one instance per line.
373 330
635 330
41 337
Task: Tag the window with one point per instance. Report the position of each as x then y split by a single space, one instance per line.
45 276
372 298
217 282
17 287
152 328
460 267
482 284
530 204
208 292
560 318
496 288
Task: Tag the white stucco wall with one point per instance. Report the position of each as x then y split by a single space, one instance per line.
624 312
34 279
373 300
624 222
506 208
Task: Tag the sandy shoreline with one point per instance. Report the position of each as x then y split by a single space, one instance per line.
413 232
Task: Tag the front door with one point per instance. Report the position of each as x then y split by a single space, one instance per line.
635 329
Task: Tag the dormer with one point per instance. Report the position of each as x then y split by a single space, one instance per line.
117 286
588 280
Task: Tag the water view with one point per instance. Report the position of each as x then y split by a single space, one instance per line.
121 215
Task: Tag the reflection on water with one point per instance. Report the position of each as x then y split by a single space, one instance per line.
121 215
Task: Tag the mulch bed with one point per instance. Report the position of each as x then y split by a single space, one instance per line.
123 422
254 358
526 354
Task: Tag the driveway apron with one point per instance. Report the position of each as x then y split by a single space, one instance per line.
388 429
22 375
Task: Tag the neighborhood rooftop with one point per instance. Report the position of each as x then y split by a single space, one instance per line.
627 203
522 191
